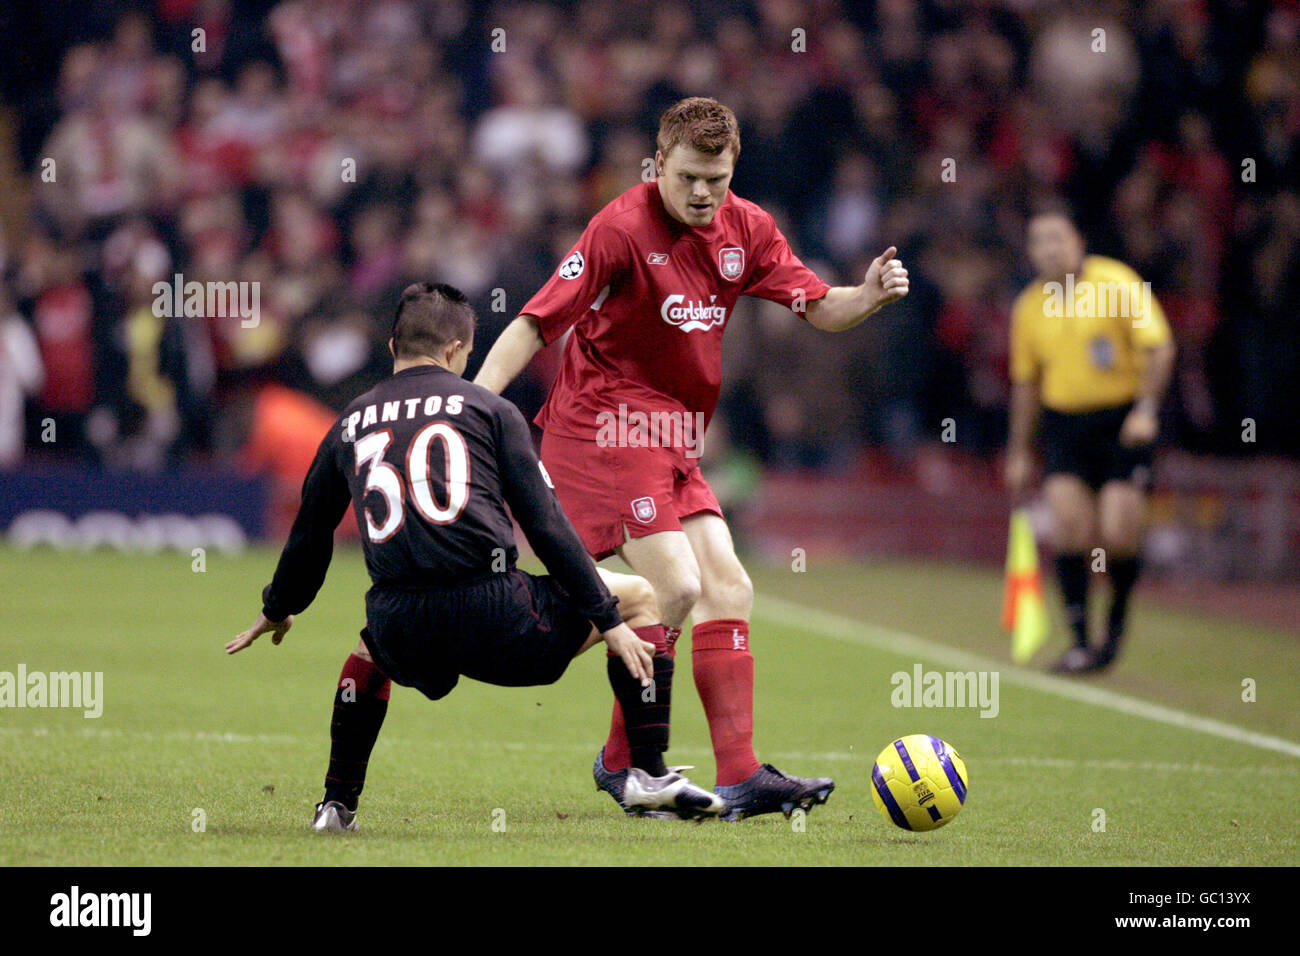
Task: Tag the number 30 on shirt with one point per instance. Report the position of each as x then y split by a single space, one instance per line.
387 480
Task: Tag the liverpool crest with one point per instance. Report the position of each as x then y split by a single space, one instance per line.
731 262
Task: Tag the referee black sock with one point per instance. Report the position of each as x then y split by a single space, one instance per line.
645 710
360 703
1123 576
1072 572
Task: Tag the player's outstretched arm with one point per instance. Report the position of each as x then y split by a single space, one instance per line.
306 555
511 352
276 629
843 307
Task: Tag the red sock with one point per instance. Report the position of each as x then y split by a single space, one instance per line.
618 754
360 703
724 676
367 679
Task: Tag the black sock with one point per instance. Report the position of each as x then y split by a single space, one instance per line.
360 703
1123 576
1072 572
645 711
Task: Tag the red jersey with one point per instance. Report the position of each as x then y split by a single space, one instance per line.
648 299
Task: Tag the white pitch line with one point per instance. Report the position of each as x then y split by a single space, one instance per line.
1128 766
203 736
841 628
704 754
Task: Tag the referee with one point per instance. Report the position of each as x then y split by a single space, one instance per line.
1091 357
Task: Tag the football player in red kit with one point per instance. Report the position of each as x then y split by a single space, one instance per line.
647 292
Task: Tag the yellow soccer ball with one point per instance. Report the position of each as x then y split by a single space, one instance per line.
919 782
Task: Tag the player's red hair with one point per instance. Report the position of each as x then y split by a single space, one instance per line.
700 123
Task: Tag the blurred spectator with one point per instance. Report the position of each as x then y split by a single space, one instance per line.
21 376
53 284
332 151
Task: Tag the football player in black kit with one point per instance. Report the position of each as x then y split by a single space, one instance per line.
429 463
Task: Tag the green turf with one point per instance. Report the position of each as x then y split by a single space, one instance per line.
246 738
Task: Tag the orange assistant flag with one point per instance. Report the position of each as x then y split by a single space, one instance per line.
1024 611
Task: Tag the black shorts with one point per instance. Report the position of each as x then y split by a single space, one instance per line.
1086 445
513 629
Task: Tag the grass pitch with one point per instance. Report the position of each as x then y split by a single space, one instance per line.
200 759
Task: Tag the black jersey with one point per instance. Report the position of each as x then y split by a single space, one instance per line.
429 462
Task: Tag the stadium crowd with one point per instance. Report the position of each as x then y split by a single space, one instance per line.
332 151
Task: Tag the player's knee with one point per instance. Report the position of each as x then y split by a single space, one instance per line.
730 594
745 590
638 604
361 652
677 597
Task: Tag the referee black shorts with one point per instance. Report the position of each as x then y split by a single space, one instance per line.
1086 445
513 629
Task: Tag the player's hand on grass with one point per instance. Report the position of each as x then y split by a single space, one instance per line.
886 278
637 654
261 626
1139 428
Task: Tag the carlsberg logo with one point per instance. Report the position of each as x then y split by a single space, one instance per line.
692 316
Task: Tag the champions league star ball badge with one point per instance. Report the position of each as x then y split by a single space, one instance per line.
572 267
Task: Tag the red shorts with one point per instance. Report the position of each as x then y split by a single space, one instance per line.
612 494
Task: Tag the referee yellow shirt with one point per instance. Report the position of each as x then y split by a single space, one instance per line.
1083 338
